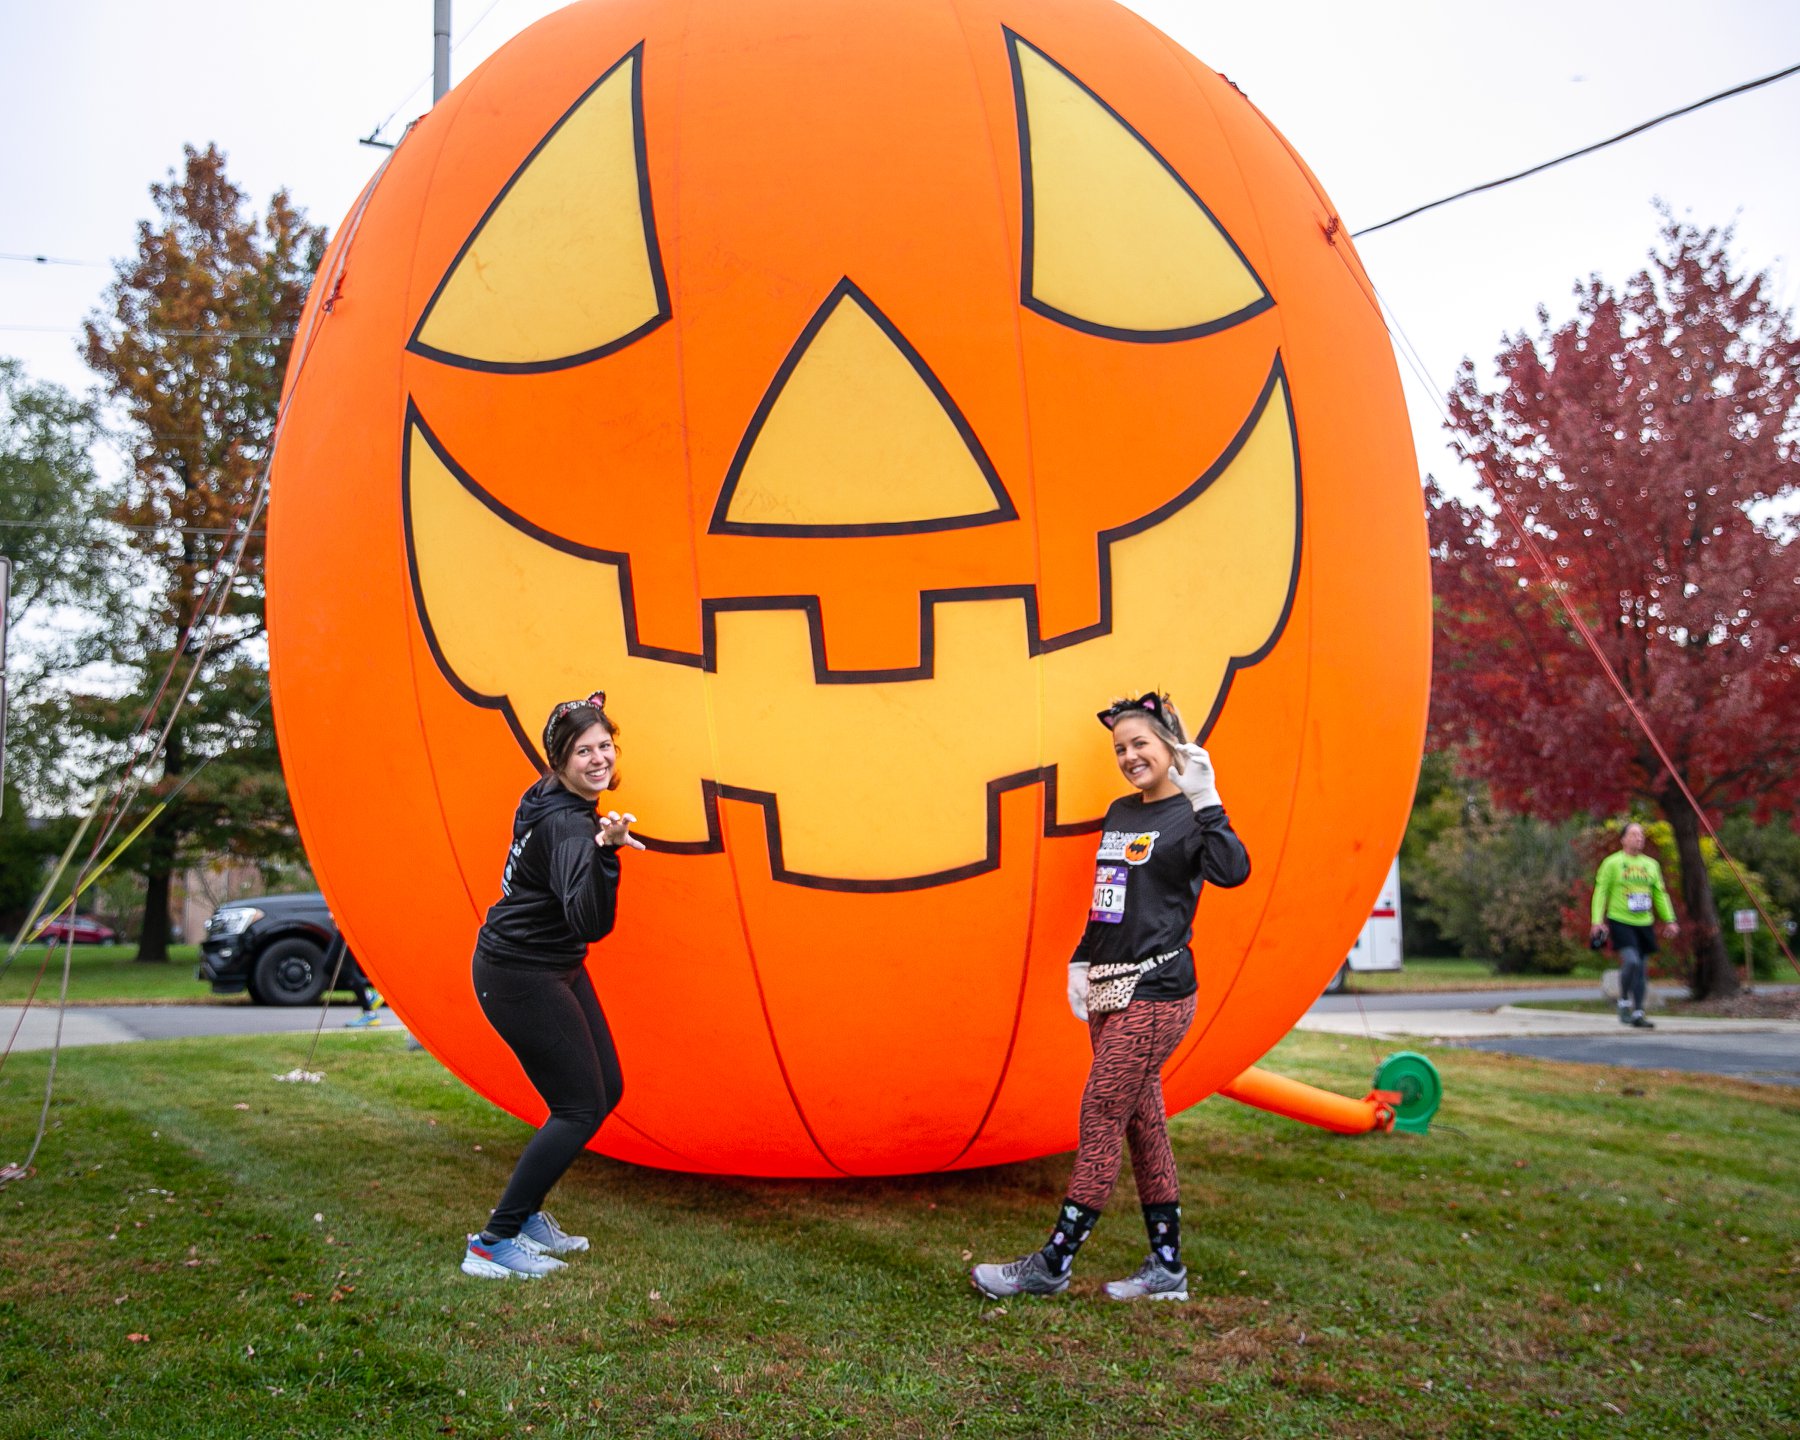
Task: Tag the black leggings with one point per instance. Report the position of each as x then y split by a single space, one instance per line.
554 1024
1634 945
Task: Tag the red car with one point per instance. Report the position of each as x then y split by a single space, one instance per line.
81 930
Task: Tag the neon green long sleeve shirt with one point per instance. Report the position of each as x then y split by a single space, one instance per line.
1627 887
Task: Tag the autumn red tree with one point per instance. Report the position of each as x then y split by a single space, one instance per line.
191 348
1647 449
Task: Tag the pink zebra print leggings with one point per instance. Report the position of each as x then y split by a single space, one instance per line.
1123 1103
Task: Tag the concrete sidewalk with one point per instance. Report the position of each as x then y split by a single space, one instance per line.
120 1024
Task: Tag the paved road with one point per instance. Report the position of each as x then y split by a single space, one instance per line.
1766 1050
1771 1057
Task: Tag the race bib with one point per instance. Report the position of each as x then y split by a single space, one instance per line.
1638 904
1109 894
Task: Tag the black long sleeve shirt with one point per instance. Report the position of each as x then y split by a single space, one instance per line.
1154 859
560 890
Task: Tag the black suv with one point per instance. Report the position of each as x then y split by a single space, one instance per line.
281 948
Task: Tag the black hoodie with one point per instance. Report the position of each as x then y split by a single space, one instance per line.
559 891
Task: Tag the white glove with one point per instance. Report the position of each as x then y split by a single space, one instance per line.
1078 988
1193 776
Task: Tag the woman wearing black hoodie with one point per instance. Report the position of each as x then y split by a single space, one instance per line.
558 894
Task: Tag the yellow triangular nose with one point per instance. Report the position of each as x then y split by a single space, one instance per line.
856 436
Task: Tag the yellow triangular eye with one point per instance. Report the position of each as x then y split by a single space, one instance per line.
856 436
564 267
1116 243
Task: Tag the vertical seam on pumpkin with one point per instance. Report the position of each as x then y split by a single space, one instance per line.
1046 786
671 260
1196 1037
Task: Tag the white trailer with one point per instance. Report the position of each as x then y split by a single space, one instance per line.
1378 946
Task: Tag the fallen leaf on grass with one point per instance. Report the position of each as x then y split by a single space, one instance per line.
137 1337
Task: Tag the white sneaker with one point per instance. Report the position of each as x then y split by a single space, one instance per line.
1153 1281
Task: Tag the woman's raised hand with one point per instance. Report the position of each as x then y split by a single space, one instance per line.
615 830
1193 775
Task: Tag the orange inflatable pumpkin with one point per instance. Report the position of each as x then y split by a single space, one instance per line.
862 395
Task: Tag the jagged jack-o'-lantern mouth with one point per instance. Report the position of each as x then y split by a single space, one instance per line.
855 437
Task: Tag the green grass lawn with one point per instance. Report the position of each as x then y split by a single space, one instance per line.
1572 1251
1453 972
106 974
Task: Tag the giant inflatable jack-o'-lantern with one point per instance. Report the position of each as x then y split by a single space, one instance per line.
862 396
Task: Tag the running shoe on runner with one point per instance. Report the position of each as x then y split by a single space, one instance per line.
543 1236
1153 1281
506 1260
1028 1276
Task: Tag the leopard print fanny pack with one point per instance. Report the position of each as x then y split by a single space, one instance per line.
1111 986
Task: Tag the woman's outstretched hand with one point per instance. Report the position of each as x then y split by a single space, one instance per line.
615 831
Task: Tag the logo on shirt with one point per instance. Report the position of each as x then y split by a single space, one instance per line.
512 859
1131 846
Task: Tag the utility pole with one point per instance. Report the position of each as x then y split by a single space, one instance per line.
440 49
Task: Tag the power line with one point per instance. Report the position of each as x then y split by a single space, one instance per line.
1585 150
161 334
139 529
52 260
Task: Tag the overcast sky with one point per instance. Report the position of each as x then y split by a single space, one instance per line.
1392 103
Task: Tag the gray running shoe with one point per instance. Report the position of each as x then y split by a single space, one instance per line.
541 1235
1153 1281
1029 1276
1640 1021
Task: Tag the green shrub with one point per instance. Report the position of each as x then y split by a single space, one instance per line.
1510 888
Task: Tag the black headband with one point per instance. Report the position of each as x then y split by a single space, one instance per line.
597 700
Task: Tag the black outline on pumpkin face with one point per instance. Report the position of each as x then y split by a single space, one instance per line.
848 289
651 247
823 674
1028 213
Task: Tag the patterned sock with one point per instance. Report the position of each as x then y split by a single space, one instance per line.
1074 1223
1162 1223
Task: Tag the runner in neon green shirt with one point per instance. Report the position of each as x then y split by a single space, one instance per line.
1628 889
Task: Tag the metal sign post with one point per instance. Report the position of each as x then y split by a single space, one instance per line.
5 606
1744 922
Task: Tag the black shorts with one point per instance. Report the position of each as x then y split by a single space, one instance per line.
1641 938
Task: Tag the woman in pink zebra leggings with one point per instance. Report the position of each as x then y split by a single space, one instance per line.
1159 847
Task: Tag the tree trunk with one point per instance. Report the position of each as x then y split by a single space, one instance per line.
1712 974
153 938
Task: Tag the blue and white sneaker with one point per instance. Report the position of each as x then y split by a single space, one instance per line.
506 1260
541 1235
